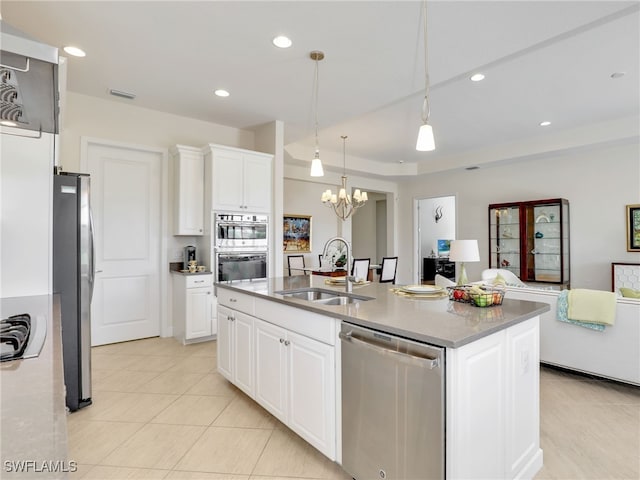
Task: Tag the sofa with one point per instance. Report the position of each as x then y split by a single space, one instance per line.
613 353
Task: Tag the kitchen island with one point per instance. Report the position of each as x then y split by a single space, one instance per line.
284 352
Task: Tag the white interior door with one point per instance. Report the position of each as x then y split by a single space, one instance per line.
126 205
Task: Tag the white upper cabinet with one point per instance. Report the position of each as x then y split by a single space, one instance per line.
240 179
189 190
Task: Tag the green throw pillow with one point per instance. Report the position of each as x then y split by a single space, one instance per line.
629 292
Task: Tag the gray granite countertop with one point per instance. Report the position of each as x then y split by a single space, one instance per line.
34 418
436 321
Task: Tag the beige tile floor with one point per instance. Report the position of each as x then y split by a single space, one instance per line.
161 411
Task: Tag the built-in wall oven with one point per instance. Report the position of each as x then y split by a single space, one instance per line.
241 248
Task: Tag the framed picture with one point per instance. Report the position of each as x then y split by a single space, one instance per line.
296 233
633 228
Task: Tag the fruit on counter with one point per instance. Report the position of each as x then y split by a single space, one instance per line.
484 300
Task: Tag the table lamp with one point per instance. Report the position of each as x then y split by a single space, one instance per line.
464 251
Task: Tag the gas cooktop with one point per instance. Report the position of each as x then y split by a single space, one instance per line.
20 337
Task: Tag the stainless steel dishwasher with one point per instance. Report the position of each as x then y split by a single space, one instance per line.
393 407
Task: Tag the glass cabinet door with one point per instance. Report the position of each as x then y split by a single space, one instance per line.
544 255
531 239
504 238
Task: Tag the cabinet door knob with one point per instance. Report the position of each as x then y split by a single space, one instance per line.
286 343
282 340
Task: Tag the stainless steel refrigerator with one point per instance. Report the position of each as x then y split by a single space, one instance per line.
73 278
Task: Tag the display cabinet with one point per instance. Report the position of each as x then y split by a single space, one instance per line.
531 239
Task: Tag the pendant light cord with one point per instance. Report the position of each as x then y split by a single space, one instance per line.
426 109
316 106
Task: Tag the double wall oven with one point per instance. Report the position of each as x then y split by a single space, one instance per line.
240 246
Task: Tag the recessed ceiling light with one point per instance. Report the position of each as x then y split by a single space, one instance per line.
282 42
545 123
618 74
477 77
7 123
75 51
221 93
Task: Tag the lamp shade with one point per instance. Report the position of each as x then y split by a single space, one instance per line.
316 168
464 251
426 142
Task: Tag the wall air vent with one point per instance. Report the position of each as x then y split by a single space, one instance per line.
120 93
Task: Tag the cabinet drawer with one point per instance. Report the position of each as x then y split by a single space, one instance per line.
196 281
237 301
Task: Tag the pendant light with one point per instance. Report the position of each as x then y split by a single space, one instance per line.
316 163
426 142
342 203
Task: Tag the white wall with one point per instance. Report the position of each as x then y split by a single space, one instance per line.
598 182
308 192
303 198
432 231
364 224
26 207
122 121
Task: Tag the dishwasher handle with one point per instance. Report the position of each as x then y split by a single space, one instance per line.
404 357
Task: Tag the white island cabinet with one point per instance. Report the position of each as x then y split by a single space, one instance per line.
192 306
235 348
283 358
295 381
237 180
491 424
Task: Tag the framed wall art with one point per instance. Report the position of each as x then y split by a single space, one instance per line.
633 228
296 233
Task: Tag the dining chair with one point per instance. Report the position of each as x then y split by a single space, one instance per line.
360 268
389 267
296 265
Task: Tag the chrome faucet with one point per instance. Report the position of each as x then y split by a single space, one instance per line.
348 283
348 280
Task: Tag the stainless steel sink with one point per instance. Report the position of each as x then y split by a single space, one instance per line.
323 296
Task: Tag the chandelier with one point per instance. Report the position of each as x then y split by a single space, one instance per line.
342 203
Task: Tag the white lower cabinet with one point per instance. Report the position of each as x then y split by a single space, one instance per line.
192 307
235 348
295 381
291 375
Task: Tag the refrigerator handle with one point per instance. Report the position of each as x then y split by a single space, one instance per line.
92 253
